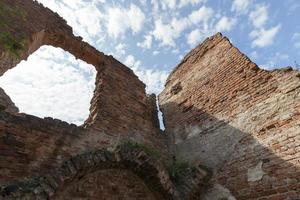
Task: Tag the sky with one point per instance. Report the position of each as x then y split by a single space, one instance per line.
150 37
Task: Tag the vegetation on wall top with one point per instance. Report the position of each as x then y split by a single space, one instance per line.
11 41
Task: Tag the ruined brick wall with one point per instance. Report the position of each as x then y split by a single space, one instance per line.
120 108
241 121
30 146
6 103
220 110
124 173
109 185
120 103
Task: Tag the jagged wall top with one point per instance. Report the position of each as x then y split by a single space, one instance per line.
239 120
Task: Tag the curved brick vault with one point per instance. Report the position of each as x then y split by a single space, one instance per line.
220 110
65 180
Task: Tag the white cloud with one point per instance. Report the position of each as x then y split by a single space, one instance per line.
207 29
169 3
155 53
147 43
259 16
120 20
183 3
263 38
136 18
179 25
120 49
240 6
254 54
296 36
225 24
131 62
292 6
194 37
153 78
297 45
167 33
84 17
276 58
198 35
176 4
49 84
296 40
203 14
282 56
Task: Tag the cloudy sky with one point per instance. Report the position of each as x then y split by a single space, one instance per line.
151 37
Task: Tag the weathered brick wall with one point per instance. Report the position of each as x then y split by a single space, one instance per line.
120 108
6 103
115 171
219 108
30 146
109 185
120 105
239 120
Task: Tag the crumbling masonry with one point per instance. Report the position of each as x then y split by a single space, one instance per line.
232 129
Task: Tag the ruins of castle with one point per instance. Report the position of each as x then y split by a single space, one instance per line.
232 129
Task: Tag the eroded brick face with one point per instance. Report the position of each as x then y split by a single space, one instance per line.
6 103
231 116
120 104
120 108
108 185
220 111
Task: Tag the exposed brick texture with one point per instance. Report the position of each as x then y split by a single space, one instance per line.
6 103
221 109
109 184
116 84
120 109
66 180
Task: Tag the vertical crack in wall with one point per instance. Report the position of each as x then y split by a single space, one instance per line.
160 116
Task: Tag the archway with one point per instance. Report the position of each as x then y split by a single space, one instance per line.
125 173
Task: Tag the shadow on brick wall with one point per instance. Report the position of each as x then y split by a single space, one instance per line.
257 165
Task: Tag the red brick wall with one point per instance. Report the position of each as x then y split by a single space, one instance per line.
30 146
221 109
6 103
109 185
120 108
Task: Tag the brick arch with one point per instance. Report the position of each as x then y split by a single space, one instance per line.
116 86
50 29
51 186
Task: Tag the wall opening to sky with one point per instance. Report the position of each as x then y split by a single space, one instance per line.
51 83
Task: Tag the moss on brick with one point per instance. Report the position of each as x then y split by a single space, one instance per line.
14 43
148 150
177 170
8 11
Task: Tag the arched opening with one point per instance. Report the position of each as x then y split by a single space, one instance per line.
51 83
108 184
125 173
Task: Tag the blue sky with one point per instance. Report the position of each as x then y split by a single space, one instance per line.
151 37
